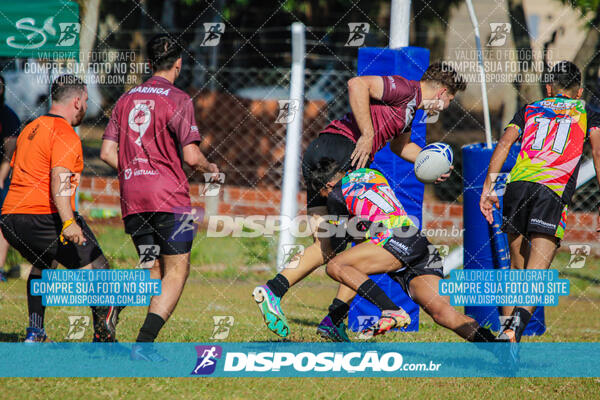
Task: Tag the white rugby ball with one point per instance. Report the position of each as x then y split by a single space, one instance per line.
433 161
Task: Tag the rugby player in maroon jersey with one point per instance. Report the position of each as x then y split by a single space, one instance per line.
383 108
151 133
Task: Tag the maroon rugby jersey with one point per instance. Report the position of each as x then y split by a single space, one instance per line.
151 123
391 116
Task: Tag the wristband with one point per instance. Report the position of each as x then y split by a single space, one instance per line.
66 224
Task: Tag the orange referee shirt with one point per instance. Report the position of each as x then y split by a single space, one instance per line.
47 142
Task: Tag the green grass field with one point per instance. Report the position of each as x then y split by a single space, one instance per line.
224 272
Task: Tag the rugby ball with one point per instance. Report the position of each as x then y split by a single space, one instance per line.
433 161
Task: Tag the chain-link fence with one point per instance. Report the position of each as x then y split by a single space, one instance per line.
237 87
587 196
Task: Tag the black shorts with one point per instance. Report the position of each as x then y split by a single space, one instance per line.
330 145
36 237
532 207
418 256
167 230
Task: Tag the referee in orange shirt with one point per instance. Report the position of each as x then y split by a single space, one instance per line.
38 216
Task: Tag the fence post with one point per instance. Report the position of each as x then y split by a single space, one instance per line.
291 167
399 23
484 97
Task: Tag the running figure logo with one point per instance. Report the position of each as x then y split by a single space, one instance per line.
358 33
148 254
437 253
223 325
69 31
68 183
287 111
212 33
186 224
431 112
77 325
579 253
207 359
500 32
212 184
365 322
292 254
500 180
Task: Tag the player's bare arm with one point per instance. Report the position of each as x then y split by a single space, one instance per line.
361 90
195 159
408 151
109 153
71 230
10 143
489 199
595 142
404 148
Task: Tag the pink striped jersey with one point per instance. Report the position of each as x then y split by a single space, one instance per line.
553 131
366 194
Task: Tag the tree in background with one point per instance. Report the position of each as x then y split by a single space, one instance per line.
89 14
430 25
528 92
587 57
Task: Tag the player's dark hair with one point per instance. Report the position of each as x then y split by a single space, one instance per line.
564 75
326 169
162 52
66 86
443 73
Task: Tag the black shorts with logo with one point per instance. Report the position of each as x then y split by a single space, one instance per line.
331 145
419 257
173 233
532 207
36 237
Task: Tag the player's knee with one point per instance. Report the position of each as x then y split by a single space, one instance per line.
100 263
321 245
333 269
437 317
177 265
442 315
184 271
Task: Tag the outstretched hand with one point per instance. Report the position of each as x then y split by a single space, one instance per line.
362 152
214 171
445 176
486 205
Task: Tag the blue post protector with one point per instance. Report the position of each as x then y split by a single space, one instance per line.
411 63
485 246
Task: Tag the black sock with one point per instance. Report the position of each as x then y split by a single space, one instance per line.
34 305
338 311
483 335
522 319
100 314
279 285
370 291
152 325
